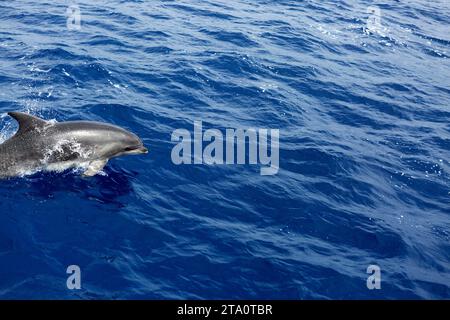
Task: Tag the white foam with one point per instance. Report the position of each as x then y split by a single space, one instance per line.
73 146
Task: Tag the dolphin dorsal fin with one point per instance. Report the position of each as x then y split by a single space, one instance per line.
27 122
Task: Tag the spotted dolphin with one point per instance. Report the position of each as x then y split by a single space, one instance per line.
41 145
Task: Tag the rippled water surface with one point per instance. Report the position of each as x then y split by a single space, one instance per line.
364 149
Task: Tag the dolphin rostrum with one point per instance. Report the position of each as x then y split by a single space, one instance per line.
57 146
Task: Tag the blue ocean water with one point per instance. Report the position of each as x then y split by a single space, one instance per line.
364 174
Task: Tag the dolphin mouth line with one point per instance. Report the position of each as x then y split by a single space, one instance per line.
136 149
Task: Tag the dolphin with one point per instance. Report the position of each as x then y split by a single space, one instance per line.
41 145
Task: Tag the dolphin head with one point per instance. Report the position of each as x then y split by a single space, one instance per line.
127 143
99 140
110 141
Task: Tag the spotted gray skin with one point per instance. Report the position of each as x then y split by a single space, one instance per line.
42 145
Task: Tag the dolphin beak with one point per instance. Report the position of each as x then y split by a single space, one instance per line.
143 149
